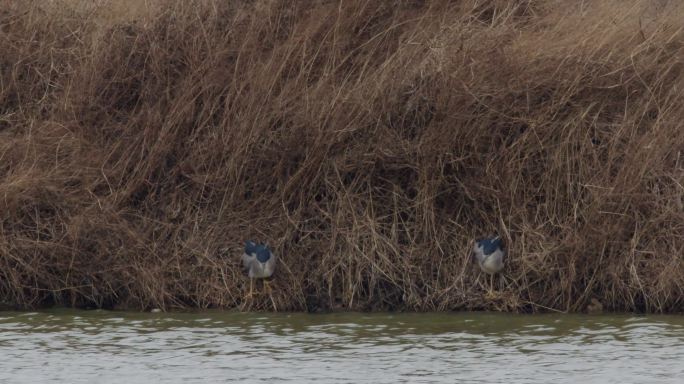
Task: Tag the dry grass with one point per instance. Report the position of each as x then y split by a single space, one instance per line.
368 141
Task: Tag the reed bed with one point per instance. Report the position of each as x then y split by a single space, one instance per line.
369 142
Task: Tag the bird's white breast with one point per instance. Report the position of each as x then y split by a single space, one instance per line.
493 263
259 270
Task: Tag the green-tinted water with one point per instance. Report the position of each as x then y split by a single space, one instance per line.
99 346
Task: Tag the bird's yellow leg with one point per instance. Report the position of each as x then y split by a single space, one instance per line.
479 281
250 294
267 286
490 292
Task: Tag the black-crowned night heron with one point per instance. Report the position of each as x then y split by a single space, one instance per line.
489 254
259 261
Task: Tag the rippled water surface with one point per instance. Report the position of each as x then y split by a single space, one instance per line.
99 346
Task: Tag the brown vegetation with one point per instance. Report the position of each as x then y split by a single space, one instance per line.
368 141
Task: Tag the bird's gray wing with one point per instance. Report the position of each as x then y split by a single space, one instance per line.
498 255
247 260
269 266
478 251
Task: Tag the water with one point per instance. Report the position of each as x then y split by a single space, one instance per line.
98 346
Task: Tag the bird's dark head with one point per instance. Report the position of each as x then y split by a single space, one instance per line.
490 245
250 247
263 254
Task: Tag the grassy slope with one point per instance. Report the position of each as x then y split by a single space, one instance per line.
368 141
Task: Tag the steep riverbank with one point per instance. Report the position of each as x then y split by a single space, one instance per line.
368 141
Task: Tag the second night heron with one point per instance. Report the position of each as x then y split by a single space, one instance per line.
259 261
489 254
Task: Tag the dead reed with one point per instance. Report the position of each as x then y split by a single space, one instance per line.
368 141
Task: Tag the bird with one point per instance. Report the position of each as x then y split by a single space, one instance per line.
259 261
489 254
